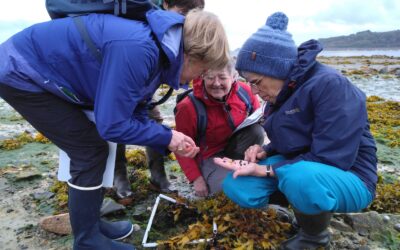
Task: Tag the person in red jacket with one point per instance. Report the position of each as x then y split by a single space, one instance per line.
218 91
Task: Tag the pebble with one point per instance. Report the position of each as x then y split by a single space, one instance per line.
363 232
386 218
136 227
397 227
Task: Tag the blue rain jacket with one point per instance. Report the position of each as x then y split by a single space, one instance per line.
321 116
53 57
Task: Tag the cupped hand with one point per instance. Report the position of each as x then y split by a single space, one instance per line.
254 153
183 145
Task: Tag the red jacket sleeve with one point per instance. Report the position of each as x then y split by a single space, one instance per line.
186 122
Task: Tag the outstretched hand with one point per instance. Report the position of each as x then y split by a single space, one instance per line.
239 167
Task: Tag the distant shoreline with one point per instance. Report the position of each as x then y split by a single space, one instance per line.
359 52
349 52
361 49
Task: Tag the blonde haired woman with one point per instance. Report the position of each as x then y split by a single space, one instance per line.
48 74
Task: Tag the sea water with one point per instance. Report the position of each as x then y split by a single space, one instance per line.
348 53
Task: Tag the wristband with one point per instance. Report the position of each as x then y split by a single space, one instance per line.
268 171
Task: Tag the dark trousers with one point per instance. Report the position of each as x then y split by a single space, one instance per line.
66 126
214 174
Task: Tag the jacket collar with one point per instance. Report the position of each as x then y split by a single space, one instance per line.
167 29
306 60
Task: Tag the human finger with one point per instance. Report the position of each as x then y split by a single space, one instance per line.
190 152
188 142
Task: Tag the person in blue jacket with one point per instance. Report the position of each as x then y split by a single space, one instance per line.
49 74
321 154
155 160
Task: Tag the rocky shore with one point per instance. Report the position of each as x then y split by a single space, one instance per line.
29 190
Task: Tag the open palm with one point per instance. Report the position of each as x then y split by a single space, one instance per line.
239 167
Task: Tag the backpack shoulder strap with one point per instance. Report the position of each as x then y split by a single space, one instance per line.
201 118
88 41
162 99
201 114
181 96
245 97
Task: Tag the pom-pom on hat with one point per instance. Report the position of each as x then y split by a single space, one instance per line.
270 51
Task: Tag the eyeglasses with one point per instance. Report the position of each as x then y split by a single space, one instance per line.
254 84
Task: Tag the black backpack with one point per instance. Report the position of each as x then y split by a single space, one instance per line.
131 9
201 111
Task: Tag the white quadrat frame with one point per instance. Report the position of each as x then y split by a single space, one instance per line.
150 223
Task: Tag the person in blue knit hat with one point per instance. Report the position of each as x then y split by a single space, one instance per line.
321 154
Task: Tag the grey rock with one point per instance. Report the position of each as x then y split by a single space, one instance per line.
345 244
341 226
110 206
362 223
136 227
27 174
140 210
384 70
395 71
43 195
397 227
363 232
386 218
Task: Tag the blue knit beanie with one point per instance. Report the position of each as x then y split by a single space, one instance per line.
270 51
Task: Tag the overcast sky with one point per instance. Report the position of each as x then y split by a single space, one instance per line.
307 18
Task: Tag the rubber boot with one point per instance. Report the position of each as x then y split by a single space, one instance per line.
115 230
283 214
84 209
313 233
158 178
121 180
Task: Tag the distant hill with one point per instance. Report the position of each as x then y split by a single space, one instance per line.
364 40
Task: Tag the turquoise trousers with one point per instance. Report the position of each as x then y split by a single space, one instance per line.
310 187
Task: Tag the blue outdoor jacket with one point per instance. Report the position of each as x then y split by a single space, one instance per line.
321 116
52 56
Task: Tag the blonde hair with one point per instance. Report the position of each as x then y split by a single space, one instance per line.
204 39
